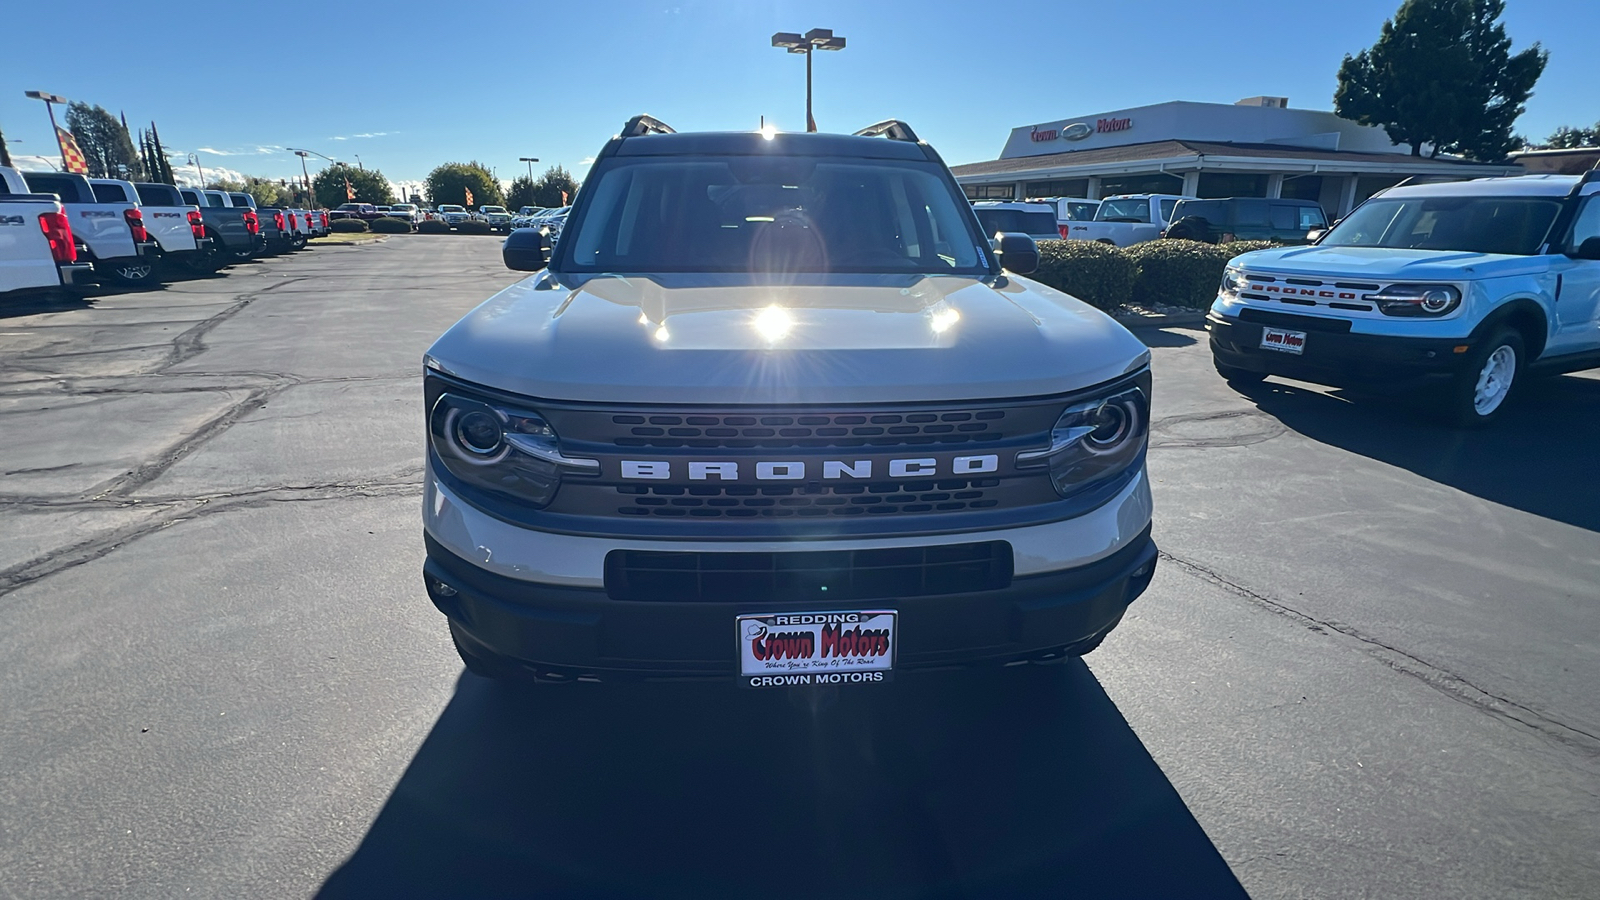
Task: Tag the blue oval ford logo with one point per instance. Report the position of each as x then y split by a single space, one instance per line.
1077 131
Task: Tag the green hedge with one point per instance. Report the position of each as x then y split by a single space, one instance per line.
1098 274
1177 273
1236 248
347 225
391 225
433 226
473 226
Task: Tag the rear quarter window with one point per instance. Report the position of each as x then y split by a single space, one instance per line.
62 186
158 195
109 193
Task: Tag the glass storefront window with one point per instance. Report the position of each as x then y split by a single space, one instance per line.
1231 184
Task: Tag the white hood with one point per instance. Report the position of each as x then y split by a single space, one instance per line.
725 340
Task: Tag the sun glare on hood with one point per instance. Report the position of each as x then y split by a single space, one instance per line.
773 323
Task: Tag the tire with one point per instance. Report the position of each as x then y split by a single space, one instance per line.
481 662
135 274
1493 373
1236 375
298 242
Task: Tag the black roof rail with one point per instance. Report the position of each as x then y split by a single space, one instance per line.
893 129
642 124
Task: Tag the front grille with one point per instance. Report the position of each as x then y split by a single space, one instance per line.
820 430
749 502
843 575
1289 320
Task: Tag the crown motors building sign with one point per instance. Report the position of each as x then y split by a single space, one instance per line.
1077 131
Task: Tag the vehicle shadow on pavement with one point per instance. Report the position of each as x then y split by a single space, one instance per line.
12 308
1005 783
1539 457
1167 335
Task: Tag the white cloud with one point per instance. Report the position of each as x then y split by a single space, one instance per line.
364 134
36 163
587 161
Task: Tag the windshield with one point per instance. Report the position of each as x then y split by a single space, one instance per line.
1123 211
1016 220
771 214
494 209
449 208
1507 225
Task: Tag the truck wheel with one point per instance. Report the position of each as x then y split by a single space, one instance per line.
298 242
1236 375
135 274
1492 374
481 662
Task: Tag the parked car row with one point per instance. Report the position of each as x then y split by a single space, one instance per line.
1128 219
106 229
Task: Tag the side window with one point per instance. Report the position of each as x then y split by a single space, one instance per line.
1586 225
1311 217
1250 213
190 198
1167 206
1283 217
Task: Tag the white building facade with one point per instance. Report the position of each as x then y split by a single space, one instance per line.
1255 148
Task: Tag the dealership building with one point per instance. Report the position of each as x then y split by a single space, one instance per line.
1254 148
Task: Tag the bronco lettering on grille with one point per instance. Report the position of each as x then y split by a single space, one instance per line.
795 470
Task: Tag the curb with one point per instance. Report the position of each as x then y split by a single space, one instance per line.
350 243
1149 320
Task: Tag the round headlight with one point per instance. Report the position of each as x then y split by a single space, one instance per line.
1436 300
477 432
1111 424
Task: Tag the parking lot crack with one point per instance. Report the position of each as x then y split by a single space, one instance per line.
1437 677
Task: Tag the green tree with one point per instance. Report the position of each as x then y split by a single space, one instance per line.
450 182
159 155
521 193
107 147
1442 74
1567 138
5 155
547 191
369 184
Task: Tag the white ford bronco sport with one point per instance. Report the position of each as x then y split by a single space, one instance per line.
774 413
1466 286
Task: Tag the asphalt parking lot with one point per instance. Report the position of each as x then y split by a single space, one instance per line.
1367 665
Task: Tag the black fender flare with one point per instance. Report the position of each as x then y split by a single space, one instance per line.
1523 314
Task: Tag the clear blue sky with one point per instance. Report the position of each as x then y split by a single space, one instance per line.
409 84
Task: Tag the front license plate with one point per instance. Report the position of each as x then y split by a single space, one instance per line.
1283 341
816 648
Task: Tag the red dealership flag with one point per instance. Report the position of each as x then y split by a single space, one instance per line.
71 156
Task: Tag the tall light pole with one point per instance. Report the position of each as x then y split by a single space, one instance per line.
195 158
49 105
815 39
311 192
358 162
530 160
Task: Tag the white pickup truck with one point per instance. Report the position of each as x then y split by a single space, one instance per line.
37 250
171 223
1467 287
1127 219
118 245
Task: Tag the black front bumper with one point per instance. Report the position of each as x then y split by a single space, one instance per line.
1335 357
576 632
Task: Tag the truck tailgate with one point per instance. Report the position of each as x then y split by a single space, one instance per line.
103 228
169 226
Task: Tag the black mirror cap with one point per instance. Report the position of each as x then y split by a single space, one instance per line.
1018 253
525 250
1589 249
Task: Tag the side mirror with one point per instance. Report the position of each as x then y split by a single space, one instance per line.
1018 253
525 250
1589 249
1316 234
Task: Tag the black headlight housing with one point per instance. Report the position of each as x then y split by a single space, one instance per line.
1098 440
502 448
1417 300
